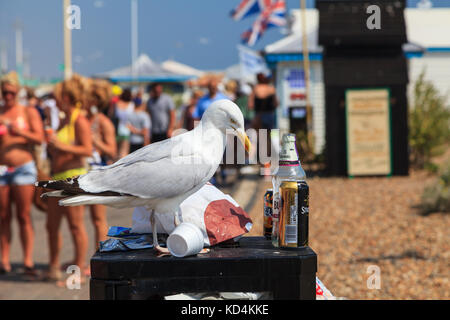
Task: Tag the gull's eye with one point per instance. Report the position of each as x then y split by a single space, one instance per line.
233 121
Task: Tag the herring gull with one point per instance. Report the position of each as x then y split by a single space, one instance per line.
159 176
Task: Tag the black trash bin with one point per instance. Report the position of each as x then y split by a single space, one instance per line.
253 265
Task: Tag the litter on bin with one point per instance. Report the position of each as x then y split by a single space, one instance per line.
115 244
122 239
217 215
322 293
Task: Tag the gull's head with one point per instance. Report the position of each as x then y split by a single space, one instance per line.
226 116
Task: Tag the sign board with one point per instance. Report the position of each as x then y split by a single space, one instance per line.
294 87
368 132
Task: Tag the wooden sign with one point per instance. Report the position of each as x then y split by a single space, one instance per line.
368 132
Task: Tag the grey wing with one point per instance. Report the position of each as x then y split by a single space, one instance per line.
151 152
156 151
166 177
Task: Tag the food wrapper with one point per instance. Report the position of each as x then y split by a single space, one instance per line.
127 243
219 216
118 232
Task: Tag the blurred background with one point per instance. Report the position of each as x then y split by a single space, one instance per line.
366 91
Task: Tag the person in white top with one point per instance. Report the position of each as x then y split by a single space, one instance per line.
123 110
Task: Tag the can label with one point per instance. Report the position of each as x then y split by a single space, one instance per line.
303 216
293 226
276 206
268 213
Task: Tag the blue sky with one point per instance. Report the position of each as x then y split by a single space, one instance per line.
196 32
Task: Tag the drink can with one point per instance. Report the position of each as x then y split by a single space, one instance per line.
268 213
48 133
294 214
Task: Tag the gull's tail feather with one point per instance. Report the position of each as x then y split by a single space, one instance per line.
119 202
53 194
69 185
73 195
89 199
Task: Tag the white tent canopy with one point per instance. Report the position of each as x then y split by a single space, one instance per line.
144 69
181 68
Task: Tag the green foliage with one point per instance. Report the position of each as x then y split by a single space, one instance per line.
429 124
436 197
304 147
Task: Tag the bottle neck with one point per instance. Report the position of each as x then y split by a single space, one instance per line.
289 155
289 163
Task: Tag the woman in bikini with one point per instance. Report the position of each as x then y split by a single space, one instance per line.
20 129
104 142
264 102
68 148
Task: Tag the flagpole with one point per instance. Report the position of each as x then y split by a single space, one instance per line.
134 37
306 70
3 56
27 65
19 48
67 42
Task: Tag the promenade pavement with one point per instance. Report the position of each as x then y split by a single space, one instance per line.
15 286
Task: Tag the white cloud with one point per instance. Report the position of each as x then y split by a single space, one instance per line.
204 41
98 54
78 59
99 4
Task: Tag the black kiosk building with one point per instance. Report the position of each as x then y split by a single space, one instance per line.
360 54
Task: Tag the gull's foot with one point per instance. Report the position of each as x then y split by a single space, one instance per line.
161 249
161 252
205 250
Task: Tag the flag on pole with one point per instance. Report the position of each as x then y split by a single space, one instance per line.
251 62
272 16
248 7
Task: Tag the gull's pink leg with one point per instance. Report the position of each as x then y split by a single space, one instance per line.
155 235
176 220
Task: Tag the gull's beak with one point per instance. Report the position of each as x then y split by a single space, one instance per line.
244 139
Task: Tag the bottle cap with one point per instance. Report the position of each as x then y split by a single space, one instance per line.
289 137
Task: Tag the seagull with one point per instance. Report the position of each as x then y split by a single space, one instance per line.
159 176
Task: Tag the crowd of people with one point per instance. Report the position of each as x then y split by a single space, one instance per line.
82 125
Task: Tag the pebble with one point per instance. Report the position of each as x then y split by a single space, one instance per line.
362 222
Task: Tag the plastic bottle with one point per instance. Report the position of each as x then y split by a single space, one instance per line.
289 169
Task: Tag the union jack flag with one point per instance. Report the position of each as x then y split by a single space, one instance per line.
248 7
272 16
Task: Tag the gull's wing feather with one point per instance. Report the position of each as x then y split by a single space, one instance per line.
161 170
164 169
151 152
163 178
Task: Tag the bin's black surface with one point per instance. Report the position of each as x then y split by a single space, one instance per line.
253 266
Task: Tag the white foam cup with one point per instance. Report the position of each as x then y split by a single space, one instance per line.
185 240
